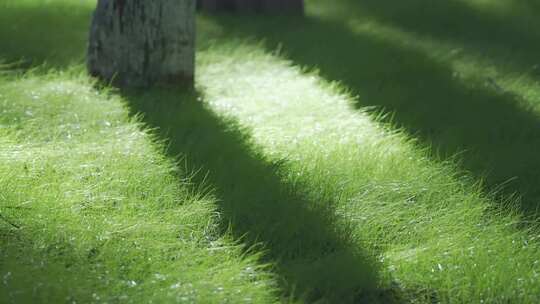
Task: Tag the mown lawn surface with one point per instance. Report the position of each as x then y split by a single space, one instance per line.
102 214
318 160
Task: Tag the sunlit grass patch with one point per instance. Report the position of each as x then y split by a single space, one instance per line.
468 88
439 235
315 142
98 213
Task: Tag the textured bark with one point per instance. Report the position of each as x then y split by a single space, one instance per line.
277 6
259 6
143 42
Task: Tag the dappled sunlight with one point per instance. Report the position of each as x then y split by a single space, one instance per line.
511 38
428 88
466 66
503 8
263 88
312 127
368 152
311 249
380 166
469 62
77 177
497 8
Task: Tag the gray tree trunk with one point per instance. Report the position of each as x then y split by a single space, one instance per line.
285 6
143 42
295 7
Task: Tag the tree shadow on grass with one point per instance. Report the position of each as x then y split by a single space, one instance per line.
494 134
31 272
508 37
54 33
313 254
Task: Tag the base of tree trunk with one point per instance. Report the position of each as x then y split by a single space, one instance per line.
293 7
141 43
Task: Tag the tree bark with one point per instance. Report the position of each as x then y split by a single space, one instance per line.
143 42
295 7
277 6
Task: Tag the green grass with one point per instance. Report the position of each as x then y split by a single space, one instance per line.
326 145
104 216
460 79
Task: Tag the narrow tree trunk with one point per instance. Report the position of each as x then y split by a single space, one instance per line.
143 42
295 7
208 5
278 6
217 5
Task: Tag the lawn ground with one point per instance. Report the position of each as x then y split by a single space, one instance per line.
315 161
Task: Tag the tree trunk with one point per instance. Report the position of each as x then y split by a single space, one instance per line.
295 7
278 6
143 42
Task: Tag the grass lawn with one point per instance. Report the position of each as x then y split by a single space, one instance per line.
102 214
365 153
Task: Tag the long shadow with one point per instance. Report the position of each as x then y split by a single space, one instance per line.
510 38
313 254
314 257
493 132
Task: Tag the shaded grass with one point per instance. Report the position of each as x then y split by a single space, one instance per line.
490 120
104 216
54 33
438 238
281 145
505 32
313 251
